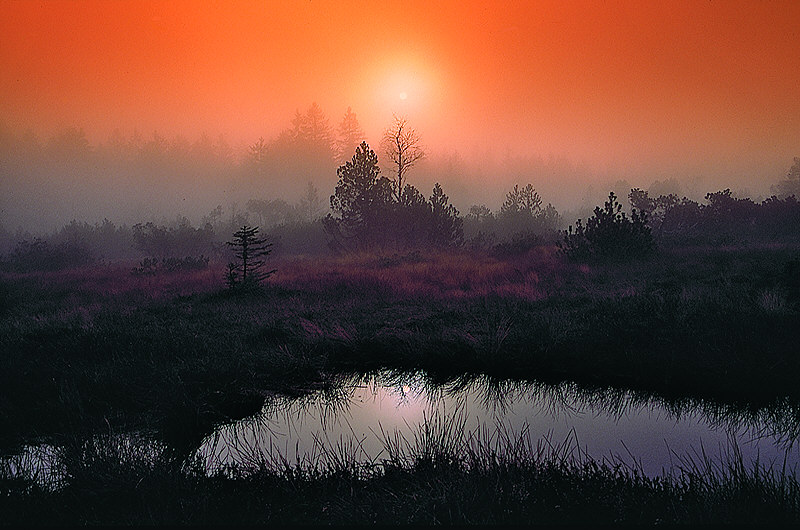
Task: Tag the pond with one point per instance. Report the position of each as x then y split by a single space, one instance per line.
388 415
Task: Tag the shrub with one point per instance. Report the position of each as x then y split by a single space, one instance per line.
40 255
150 266
519 244
181 240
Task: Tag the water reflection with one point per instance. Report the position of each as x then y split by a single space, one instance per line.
369 420
389 415
35 464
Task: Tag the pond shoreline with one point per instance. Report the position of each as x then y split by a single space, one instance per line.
177 355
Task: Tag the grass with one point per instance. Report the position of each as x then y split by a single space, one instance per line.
438 476
174 355
99 342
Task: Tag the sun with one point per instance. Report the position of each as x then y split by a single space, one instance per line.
405 86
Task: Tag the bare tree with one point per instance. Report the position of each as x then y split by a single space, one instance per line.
401 144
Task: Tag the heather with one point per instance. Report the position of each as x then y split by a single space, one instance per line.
88 345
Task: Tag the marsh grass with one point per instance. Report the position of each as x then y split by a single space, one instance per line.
176 355
441 474
103 343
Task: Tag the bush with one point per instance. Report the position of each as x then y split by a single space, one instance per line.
519 244
40 255
150 266
609 234
181 240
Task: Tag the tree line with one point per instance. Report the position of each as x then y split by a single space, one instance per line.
372 210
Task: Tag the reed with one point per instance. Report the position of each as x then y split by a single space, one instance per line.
175 355
441 474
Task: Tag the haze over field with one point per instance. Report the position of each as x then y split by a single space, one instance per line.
146 109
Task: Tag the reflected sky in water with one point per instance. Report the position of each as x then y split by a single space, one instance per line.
358 417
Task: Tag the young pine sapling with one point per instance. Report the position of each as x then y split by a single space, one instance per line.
250 251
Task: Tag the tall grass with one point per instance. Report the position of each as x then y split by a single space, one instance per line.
175 355
177 349
441 474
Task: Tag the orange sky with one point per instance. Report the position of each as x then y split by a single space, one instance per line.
681 86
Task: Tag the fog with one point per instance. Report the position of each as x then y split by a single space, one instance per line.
50 181
150 111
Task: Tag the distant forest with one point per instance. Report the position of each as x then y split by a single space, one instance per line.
314 188
411 222
139 177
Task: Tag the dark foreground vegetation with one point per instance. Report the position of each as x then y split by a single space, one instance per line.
172 354
442 479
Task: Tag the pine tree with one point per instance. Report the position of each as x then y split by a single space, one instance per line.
310 204
350 136
360 201
250 251
610 234
523 201
446 226
316 135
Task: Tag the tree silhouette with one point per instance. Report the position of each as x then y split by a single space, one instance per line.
446 225
609 234
303 151
521 201
367 213
411 217
479 213
360 201
249 250
358 178
310 204
401 144
522 215
270 212
350 135
258 156
791 184
316 132
657 208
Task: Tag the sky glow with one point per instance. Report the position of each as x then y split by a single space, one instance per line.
672 89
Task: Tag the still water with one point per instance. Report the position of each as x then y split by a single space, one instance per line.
370 418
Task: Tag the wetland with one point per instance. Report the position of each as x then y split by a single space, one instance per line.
434 388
